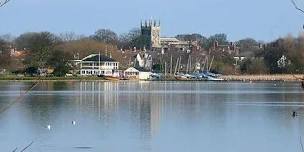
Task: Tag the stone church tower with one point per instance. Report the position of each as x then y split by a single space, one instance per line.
151 30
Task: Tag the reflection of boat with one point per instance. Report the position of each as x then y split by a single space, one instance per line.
111 78
302 84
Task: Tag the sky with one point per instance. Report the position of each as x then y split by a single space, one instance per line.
264 20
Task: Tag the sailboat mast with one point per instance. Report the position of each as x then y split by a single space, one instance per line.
99 62
175 70
165 69
171 66
179 63
190 64
207 64
211 63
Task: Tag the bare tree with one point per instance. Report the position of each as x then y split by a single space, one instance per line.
296 6
2 3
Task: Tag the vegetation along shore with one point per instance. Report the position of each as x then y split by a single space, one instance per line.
269 77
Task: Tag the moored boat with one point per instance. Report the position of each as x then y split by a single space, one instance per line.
111 78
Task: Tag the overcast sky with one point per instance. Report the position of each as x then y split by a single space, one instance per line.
260 19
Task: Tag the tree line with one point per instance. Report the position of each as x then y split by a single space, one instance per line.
48 50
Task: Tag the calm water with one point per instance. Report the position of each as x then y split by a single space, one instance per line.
152 117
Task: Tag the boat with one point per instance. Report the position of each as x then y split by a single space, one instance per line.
155 76
185 77
210 78
181 77
111 78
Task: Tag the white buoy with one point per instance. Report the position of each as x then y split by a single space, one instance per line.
49 127
73 122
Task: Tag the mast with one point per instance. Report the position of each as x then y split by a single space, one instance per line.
207 64
190 64
171 66
180 59
99 63
165 69
211 63
176 66
180 62
204 65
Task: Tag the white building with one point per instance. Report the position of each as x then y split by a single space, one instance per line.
133 73
96 64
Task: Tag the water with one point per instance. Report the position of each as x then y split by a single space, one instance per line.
151 117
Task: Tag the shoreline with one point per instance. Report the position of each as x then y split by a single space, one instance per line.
270 77
30 79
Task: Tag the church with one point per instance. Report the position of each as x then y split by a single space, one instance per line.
151 30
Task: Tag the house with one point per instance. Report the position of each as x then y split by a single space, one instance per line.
139 73
97 64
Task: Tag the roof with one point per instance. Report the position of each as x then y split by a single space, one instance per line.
169 39
98 57
132 69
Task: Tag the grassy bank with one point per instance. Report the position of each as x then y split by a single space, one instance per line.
272 77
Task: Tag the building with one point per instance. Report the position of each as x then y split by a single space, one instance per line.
172 42
151 30
139 73
96 64
231 48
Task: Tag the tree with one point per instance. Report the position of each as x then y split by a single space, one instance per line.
221 39
272 54
39 47
133 39
5 58
86 46
248 47
296 6
189 37
254 66
59 61
69 36
106 36
3 2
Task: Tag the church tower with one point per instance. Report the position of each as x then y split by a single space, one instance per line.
151 30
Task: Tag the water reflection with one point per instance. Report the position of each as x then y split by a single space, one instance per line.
106 99
153 116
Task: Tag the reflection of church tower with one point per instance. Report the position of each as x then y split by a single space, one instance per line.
151 31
